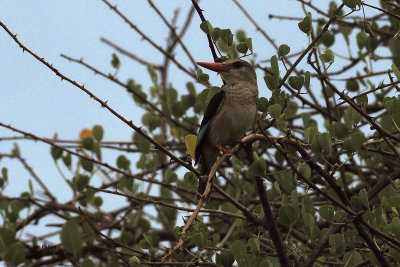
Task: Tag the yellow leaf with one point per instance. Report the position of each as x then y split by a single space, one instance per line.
85 133
190 142
175 131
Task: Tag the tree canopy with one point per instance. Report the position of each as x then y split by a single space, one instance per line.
314 183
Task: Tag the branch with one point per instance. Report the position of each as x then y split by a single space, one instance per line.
210 42
172 29
103 103
145 37
143 99
311 45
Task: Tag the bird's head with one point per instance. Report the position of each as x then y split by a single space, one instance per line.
233 71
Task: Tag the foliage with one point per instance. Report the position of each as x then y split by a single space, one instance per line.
319 186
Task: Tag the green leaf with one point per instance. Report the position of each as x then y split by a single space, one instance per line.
327 212
305 24
308 121
249 44
352 3
307 79
72 238
241 36
152 121
257 168
216 238
254 245
115 63
328 39
4 173
325 141
364 197
310 132
56 152
352 258
97 150
123 162
134 261
98 132
15 151
283 50
225 258
206 27
170 176
396 71
275 66
227 36
216 34
327 56
87 263
315 145
275 110
346 31
362 101
80 182
277 188
270 82
337 244
242 48
14 255
351 117
305 170
288 214
86 164
352 85
296 82
202 77
338 130
153 74
141 143
332 8
362 40
97 201
138 95
238 249
190 142
395 254
357 140
262 104
87 143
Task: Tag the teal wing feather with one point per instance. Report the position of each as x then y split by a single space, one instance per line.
211 110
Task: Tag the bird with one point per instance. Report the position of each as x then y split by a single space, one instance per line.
228 115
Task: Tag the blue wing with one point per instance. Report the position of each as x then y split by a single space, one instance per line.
211 110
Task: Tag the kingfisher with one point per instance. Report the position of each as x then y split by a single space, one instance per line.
229 114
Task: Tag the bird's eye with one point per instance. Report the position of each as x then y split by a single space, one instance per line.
238 64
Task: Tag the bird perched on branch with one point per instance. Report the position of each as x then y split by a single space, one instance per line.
228 115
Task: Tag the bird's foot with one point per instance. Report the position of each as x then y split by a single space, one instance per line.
224 150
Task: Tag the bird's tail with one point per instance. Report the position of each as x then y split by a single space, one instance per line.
204 171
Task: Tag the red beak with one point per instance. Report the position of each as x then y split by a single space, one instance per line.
218 67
